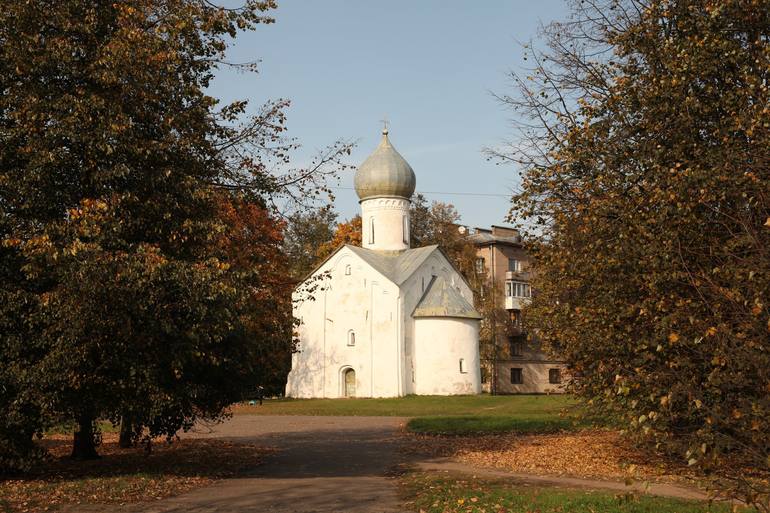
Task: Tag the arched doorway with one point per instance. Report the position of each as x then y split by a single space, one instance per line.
349 383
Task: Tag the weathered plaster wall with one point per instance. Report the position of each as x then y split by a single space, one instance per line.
440 344
535 376
363 301
384 355
390 218
412 291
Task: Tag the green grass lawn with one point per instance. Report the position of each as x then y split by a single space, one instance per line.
417 406
457 415
483 424
433 494
70 427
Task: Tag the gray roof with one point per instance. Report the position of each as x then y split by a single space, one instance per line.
397 266
442 300
385 173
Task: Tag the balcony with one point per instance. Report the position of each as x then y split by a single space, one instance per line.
516 303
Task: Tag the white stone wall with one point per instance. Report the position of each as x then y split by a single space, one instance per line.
440 345
364 302
412 291
389 220
386 356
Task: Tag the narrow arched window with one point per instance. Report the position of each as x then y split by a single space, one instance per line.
351 338
348 270
371 230
463 369
406 229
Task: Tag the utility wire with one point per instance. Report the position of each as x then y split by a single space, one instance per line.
444 192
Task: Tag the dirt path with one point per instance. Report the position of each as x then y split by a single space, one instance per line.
324 464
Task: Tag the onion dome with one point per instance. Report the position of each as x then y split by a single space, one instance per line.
385 173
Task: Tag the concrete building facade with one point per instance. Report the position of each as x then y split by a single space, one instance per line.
515 363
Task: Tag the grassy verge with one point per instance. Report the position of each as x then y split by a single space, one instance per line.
519 406
480 425
70 427
431 494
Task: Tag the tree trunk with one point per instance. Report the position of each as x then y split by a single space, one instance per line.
84 444
126 432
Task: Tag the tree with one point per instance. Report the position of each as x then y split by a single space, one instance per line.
437 223
124 191
307 231
348 232
645 146
420 222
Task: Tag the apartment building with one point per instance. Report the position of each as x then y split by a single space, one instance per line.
512 362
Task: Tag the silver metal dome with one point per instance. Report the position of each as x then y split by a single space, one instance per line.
385 173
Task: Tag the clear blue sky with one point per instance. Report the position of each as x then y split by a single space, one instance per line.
428 65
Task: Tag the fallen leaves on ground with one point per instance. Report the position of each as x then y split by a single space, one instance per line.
593 453
427 492
124 476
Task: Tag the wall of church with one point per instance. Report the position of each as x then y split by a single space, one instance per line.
385 224
351 321
447 356
412 291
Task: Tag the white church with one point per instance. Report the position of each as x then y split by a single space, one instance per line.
385 320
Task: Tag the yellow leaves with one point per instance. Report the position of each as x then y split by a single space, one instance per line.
698 403
664 400
11 243
767 222
711 331
673 337
737 414
757 309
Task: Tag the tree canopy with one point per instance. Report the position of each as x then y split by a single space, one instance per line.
644 142
140 256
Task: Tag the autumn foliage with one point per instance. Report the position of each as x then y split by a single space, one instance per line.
141 273
649 180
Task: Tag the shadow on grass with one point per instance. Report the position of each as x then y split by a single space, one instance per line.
125 475
185 457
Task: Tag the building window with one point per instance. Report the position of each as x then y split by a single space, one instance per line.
514 265
406 229
463 368
484 375
371 230
348 270
516 346
517 376
517 289
554 376
480 265
351 338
